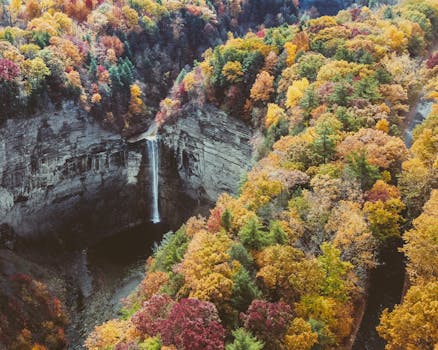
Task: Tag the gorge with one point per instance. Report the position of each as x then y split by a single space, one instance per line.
203 175
89 205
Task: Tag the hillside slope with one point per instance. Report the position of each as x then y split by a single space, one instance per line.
284 265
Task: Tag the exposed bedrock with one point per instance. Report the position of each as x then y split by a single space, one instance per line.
212 151
63 175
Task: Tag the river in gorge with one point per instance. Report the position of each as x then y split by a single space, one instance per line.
105 273
92 278
386 281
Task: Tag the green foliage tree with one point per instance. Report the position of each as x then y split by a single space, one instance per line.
368 89
327 131
359 169
122 74
276 233
226 219
341 94
334 283
239 253
153 343
309 64
244 340
171 250
244 290
253 236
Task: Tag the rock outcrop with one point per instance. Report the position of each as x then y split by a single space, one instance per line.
212 151
62 173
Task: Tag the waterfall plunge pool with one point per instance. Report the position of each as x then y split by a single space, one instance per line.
114 267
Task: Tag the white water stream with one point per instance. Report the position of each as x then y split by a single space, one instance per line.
152 150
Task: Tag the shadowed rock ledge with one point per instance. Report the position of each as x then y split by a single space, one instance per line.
61 171
212 151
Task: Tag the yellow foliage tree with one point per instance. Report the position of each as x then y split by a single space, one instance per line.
413 324
352 234
384 217
135 103
382 125
300 336
285 273
263 87
421 245
232 71
207 269
96 98
240 213
259 190
334 315
189 81
36 71
274 114
295 92
108 334
291 52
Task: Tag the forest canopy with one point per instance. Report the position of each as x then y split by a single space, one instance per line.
284 265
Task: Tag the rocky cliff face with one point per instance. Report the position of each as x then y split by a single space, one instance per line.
212 151
62 173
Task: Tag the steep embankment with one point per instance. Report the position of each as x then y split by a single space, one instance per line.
287 262
66 172
212 151
61 172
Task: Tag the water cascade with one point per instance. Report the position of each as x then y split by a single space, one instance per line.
152 150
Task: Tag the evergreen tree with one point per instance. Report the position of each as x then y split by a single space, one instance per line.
244 290
253 236
359 168
243 340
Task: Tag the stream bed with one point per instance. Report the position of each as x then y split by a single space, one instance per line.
104 274
385 290
91 277
386 281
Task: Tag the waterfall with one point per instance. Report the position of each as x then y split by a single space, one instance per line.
152 150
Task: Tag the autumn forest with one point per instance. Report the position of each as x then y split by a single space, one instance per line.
343 174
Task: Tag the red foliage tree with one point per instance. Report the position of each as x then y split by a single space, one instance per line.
155 311
8 70
113 42
189 324
382 191
268 321
193 324
77 9
214 222
432 61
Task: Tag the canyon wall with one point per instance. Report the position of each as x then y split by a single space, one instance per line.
63 175
212 151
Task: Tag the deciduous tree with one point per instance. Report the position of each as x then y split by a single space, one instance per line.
262 87
414 323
